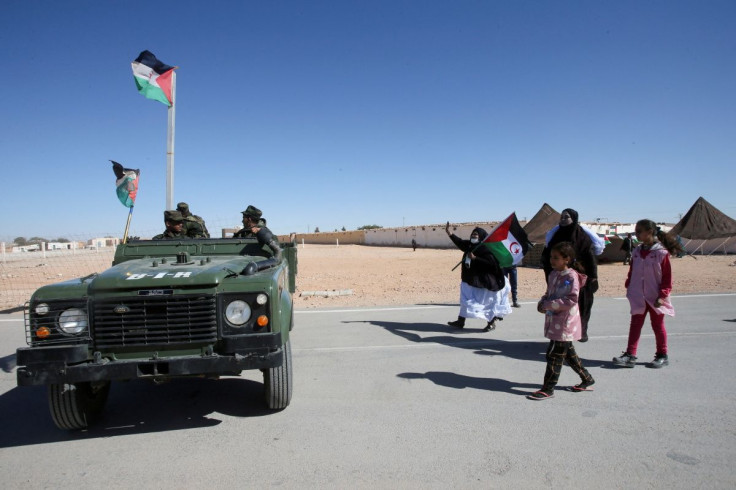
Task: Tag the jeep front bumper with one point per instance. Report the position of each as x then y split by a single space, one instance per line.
71 364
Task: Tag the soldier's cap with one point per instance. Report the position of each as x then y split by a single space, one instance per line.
173 215
253 212
182 206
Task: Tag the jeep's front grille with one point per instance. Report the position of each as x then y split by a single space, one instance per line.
154 321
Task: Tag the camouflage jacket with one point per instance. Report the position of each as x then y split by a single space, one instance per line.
167 235
246 233
194 227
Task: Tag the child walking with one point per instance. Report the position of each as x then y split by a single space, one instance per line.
648 288
562 323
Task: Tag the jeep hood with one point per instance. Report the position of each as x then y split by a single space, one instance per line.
166 272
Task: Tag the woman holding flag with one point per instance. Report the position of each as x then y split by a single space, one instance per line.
484 292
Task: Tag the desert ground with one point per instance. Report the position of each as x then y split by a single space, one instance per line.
383 276
348 276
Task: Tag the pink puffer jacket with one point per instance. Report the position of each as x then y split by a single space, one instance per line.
562 320
645 281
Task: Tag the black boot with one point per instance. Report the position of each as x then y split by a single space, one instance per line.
490 326
459 323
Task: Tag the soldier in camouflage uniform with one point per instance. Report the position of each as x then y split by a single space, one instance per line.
174 222
254 226
194 226
252 223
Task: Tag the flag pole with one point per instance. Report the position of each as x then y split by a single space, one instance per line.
127 225
170 147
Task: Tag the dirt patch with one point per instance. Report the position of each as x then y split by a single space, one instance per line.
384 276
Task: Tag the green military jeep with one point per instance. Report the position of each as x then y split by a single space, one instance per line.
170 308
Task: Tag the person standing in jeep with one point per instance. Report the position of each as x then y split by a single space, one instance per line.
252 223
174 226
254 226
194 226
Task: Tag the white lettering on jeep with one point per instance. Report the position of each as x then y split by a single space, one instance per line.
160 275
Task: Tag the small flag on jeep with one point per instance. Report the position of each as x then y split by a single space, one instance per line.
126 183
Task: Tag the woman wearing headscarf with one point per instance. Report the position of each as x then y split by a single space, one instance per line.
570 230
484 292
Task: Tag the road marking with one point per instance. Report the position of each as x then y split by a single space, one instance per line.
431 307
482 342
361 310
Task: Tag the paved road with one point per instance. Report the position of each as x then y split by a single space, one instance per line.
393 398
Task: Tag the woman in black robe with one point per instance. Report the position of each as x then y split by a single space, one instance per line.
571 231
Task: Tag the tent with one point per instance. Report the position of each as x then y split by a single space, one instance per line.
705 223
536 229
545 219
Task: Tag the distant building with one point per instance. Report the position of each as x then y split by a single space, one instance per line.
26 248
103 242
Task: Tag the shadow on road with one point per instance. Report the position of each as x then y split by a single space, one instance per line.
8 363
134 407
481 342
14 309
459 381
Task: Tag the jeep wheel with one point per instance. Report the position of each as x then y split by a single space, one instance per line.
76 405
277 382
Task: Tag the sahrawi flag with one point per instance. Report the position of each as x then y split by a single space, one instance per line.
508 242
153 78
127 183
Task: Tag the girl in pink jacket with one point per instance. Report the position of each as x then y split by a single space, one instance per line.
648 288
562 324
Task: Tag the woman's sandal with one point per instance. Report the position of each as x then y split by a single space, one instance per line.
540 395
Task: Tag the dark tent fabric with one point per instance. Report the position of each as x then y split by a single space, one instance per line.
704 221
545 219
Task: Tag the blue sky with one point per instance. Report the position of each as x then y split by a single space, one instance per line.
343 114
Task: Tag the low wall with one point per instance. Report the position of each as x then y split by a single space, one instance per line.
329 238
427 236
434 236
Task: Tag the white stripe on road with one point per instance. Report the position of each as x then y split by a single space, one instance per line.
481 342
398 308
430 307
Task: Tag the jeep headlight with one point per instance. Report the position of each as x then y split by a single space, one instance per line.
73 321
237 313
42 309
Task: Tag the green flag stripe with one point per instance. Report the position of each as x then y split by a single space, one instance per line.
505 259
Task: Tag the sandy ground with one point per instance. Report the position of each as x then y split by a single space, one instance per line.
382 276
354 275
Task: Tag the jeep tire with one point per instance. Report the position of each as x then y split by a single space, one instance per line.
75 405
277 382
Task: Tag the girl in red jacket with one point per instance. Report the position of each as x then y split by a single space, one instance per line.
648 288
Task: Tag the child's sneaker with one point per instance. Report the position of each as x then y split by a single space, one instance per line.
660 360
584 386
625 360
